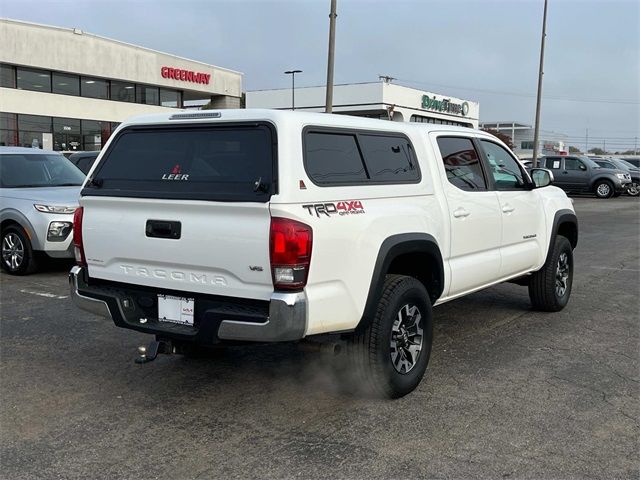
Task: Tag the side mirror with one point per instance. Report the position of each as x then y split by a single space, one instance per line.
582 167
541 177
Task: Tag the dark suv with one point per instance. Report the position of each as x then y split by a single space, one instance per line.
633 188
582 175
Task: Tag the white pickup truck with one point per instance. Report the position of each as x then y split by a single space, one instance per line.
265 226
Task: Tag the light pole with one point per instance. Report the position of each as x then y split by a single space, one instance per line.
328 108
293 86
539 99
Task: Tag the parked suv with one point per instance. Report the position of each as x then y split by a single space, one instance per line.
633 188
38 195
580 174
83 160
265 226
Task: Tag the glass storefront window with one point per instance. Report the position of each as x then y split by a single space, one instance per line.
8 129
31 129
93 134
33 79
94 88
170 98
66 134
66 84
122 91
147 95
7 76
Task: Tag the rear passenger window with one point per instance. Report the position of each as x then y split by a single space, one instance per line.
553 163
389 159
462 163
354 158
333 158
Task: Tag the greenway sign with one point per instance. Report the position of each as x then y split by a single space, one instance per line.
445 106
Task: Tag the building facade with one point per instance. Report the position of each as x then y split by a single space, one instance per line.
65 89
382 100
549 143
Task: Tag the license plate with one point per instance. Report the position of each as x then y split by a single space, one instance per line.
175 309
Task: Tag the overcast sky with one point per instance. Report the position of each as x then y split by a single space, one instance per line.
487 51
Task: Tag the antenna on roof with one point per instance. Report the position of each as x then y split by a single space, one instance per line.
386 78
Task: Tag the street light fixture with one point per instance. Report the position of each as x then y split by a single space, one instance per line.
293 86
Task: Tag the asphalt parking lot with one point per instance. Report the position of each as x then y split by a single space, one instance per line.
509 393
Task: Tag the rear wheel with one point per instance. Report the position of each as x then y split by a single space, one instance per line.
17 255
633 189
550 287
391 355
603 189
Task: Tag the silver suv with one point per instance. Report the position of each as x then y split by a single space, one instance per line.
39 192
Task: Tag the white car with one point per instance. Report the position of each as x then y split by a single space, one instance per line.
265 226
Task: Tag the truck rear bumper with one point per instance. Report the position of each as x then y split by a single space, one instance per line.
282 318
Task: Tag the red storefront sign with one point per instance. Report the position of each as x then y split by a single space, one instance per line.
185 75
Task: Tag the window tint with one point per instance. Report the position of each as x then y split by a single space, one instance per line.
554 163
169 98
37 170
122 91
206 163
66 84
32 79
506 172
333 158
605 164
388 158
84 164
7 76
94 88
462 163
147 95
572 164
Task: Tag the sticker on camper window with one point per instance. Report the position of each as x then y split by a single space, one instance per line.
176 174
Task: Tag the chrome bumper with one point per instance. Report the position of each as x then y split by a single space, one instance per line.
92 305
287 319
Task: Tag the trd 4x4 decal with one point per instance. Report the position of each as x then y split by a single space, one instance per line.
348 207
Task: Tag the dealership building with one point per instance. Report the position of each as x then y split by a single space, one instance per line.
66 89
384 100
522 138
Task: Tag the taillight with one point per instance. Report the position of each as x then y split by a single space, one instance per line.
290 249
77 237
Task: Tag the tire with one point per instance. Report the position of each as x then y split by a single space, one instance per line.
16 255
603 189
547 290
633 189
388 371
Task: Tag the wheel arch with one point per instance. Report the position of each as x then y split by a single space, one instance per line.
413 254
599 178
14 217
565 223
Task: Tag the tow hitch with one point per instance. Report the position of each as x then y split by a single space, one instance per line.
150 352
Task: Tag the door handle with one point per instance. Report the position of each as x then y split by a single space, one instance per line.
508 208
163 229
461 213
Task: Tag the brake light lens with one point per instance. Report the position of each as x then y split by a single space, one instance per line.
78 246
290 249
